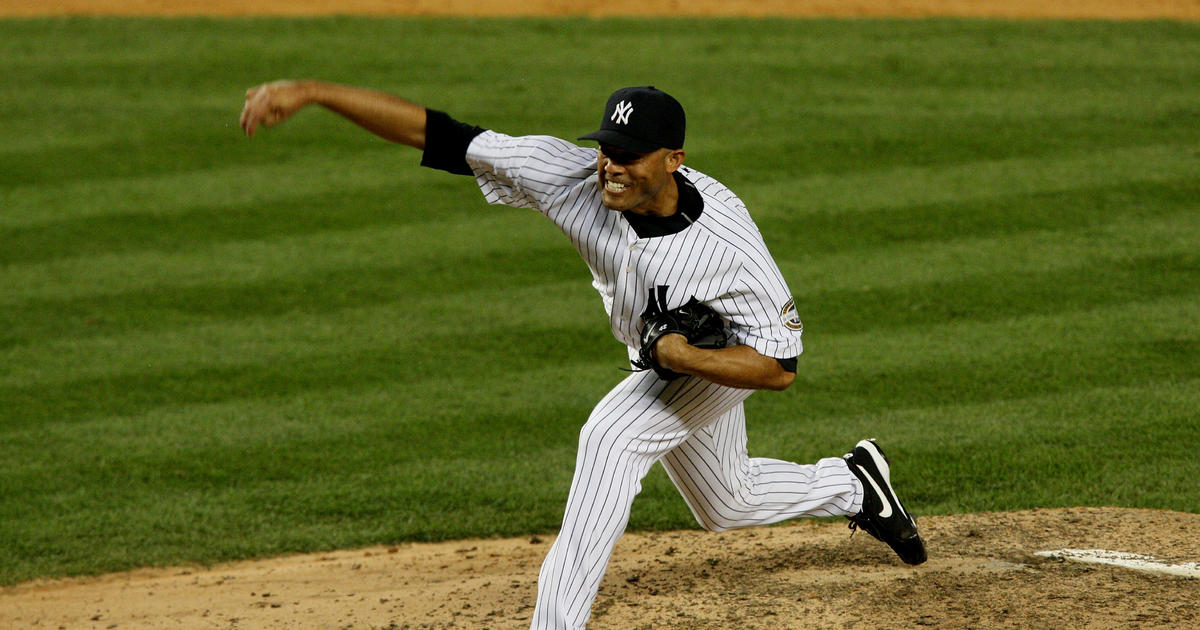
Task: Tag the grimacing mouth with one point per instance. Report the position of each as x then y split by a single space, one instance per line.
614 187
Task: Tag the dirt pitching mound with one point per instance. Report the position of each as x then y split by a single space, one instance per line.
982 573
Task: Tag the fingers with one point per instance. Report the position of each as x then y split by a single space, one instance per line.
255 109
261 108
272 103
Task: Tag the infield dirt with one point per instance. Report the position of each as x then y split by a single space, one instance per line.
982 572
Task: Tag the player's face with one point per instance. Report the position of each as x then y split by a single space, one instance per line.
637 181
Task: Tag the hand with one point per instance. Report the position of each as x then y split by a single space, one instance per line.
272 103
668 351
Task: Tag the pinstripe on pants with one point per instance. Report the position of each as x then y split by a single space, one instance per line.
697 429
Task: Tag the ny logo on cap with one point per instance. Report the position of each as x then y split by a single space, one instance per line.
622 112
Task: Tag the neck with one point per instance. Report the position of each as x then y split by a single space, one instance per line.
663 204
688 211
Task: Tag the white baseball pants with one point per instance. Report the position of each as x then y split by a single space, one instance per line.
697 430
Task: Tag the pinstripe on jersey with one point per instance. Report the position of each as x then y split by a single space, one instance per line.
721 260
694 427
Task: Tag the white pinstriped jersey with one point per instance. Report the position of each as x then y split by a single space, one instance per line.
721 259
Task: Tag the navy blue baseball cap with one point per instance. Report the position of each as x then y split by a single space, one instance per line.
642 120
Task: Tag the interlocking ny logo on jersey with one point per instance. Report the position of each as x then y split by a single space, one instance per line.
622 112
656 301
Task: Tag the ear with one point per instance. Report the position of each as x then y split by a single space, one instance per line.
674 159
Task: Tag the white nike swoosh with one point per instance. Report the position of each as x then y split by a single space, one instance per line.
886 510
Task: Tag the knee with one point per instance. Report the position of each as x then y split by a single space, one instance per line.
598 437
603 436
591 434
715 507
707 515
715 522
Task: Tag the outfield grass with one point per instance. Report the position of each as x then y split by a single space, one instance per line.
216 348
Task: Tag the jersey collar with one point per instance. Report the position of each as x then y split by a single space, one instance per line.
691 206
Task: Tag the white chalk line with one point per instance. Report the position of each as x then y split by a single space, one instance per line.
1134 561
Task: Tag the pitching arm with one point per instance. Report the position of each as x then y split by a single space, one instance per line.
389 117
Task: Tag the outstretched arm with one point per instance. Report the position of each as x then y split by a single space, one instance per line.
389 117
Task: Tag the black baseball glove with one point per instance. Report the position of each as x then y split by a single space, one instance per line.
702 326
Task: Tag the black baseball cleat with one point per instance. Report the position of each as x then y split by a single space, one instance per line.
882 515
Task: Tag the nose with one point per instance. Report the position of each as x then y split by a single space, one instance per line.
612 168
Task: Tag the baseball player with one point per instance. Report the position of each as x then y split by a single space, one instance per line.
667 246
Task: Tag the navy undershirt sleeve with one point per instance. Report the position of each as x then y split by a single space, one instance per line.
446 142
788 364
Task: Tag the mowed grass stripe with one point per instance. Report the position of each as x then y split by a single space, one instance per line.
431 418
161 227
882 306
999 296
864 374
1109 277
195 520
317 291
1082 330
507 229
1046 368
1010 358
1000 216
275 173
289 337
877 308
822 231
305 174
389 502
876 189
491 229
286 339
929 263
811 233
837 146
1070 271
1080 446
421 358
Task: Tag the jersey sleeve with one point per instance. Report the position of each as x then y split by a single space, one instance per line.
763 314
527 171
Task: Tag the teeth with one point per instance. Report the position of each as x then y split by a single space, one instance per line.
614 186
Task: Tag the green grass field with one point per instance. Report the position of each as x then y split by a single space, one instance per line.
216 348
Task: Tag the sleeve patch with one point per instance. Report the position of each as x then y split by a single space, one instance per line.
790 318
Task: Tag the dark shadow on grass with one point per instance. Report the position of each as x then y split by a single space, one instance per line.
201 226
831 232
991 297
447 355
32 321
1032 373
